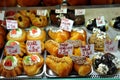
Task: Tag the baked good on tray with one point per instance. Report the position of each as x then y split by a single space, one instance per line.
91 24
32 64
38 20
58 35
115 23
17 34
78 34
52 2
77 2
82 65
27 3
3 32
23 21
106 63
21 47
35 33
11 66
8 3
116 1
61 66
51 47
98 40
2 41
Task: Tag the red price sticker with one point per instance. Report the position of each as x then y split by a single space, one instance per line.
13 49
33 46
79 12
65 49
11 24
110 46
66 24
42 12
87 50
2 15
100 21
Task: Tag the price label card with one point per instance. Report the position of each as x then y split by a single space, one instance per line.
96 30
42 12
110 46
13 49
100 21
2 15
66 24
79 12
11 24
33 46
87 50
65 49
62 10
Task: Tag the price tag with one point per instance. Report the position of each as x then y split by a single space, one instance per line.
42 12
79 12
110 46
87 50
33 46
2 15
65 49
100 21
96 30
11 24
66 24
13 49
62 10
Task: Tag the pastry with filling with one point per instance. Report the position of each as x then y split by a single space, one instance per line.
21 47
61 66
38 20
35 33
32 64
82 65
91 24
17 35
106 63
23 21
115 22
11 66
58 35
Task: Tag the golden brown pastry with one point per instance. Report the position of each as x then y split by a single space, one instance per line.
8 3
21 45
11 66
61 66
52 2
36 33
2 42
27 3
98 40
78 34
38 20
17 34
77 2
52 47
58 35
42 48
23 21
32 64
82 65
27 12
3 32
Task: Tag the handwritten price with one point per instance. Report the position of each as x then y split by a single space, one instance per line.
11 24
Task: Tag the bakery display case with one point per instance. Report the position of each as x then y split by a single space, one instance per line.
60 39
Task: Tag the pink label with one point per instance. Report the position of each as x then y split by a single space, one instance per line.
65 48
11 24
100 21
13 49
33 46
79 11
66 24
87 50
110 46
